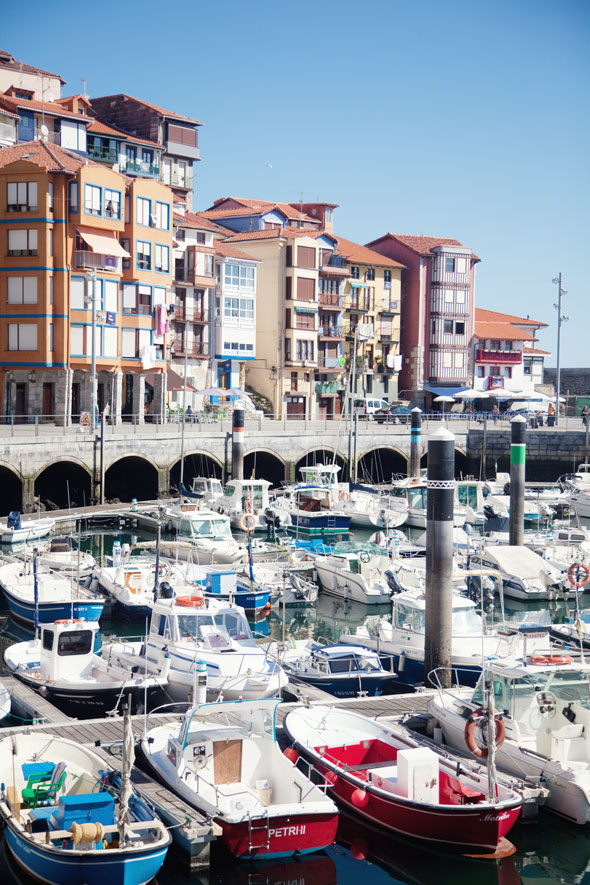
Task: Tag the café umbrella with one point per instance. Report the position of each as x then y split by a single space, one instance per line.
443 399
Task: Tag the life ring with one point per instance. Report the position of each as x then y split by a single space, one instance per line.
574 571
247 522
163 571
131 585
343 496
62 621
549 659
364 556
191 601
470 725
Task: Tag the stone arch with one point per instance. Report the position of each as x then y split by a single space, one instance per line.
11 489
379 463
70 459
197 463
64 483
327 455
265 464
131 476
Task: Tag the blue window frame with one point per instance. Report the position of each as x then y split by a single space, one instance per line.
162 216
26 126
143 255
112 204
126 244
144 211
92 199
147 156
161 258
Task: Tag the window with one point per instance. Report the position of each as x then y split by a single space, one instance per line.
144 255
126 244
287 348
21 196
448 327
527 369
47 640
51 290
112 204
370 274
166 171
22 242
110 296
75 643
50 196
51 338
73 135
508 371
449 265
144 211
304 350
449 296
481 371
305 289
508 345
494 344
459 360
460 294
238 276
461 265
387 279
181 174
22 290
77 293
161 258
447 360
201 239
92 199
110 342
354 272
163 217
306 256
459 328
238 308
147 156
22 336
73 196
129 343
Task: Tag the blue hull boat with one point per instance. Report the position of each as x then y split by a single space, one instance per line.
89 610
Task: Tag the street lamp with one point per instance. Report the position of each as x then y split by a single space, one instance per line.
91 298
560 319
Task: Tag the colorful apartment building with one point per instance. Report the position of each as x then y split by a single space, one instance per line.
44 85
437 312
505 356
75 231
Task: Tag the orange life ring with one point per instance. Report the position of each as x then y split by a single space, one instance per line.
191 601
62 621
573 572
343 496
470 725
549 659
247 522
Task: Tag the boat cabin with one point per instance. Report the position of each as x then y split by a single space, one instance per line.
206 487
245 496
344 659
320 474
212 625
67 648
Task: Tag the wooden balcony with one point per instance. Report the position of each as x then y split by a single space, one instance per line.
499 357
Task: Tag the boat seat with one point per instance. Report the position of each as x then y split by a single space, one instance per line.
466 795
568 744
43 787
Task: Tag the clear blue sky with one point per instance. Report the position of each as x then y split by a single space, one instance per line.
462 118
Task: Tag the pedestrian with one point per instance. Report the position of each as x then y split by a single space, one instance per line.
189 414
495 414
550 415
585 416
539 417
106 412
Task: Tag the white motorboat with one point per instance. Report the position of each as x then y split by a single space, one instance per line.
43 597
289 586
414 493
355 571
372 510
209 533
192 628
399 640
19 530
247 503
223 759
60 556
61 665
546 702
345 671
524 574
5 702
579 499
132 583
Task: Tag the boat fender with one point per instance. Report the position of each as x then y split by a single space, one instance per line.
470 726
578 574
402 661
359 850
291 754
359 798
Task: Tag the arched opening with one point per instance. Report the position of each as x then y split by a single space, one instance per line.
379 465
322 456
62 485
11 491
131 477
195 464
263 465
461 464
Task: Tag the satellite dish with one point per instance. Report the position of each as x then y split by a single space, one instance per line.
44 132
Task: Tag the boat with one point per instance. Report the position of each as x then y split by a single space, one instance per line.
224 760
288 584
243 589
371 509
69 818
5 702
312 510
247 503
61 665
546 707
60 556
399 640
131 584
525 575
414 493
46 596
194 628
383 776
18 530
356 571
208 532
345 671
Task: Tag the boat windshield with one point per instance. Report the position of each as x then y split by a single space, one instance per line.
200 527
368 664
198 626
517 696
466 621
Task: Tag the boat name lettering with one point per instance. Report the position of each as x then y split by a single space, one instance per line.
502 816
287 831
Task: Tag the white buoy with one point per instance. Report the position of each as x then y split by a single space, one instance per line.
200 683
116 554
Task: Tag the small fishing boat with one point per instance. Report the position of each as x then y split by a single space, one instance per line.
524 574
45 597
312 511
223 759
346 671
60 556
208 532
247 503
18 530
382 775
355 571
61 665
70 819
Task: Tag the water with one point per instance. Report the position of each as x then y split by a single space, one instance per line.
549 851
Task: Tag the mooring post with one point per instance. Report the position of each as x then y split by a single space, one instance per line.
440 505
415 439
517 479
237 448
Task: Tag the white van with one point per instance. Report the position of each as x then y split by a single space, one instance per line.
366 406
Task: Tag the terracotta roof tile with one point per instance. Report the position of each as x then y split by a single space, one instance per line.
52 108
491 316
536 352
8 61
501 330
154 107
286 233
98 128
227 251
50 156
422 245
355 252
197 221
261 207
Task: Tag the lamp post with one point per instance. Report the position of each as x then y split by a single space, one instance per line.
560 319
91 298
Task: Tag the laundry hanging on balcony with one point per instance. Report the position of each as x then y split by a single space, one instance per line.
162 324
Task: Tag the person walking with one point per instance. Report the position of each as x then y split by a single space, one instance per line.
495 414
585 416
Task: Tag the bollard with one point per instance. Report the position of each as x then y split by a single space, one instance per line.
517 480
237 448
415 438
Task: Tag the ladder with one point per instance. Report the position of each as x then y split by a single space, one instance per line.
262 830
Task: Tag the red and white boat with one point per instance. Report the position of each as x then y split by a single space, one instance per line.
224 760
381 774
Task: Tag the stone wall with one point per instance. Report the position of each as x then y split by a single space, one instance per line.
573 382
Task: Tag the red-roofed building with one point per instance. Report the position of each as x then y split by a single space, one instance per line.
437 312
504 352
177 133
61 124
44 85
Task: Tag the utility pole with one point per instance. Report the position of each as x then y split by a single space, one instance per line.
560 319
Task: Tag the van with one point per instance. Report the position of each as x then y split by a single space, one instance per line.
366 406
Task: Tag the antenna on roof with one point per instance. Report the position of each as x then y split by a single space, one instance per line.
301 210
83 81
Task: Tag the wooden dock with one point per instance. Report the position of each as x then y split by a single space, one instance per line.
28 704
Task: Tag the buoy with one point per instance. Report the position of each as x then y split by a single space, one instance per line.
359 850
359 798
134 505
291 754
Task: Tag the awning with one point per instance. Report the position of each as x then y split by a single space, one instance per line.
354 284
306 310
438 390
102 243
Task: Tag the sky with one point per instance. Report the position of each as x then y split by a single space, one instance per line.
463 119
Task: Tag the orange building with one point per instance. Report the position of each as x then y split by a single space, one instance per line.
73 230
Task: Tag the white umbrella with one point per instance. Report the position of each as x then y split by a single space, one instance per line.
472 394
443 399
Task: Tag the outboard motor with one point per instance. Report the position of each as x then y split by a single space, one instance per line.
478 586
13 521
393 582
166 590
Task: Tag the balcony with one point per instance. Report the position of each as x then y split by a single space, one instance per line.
324 388
328 299
137 167
176 179
391 307
330 331
97 261
103 155
179 313
192 352
201 316
499 357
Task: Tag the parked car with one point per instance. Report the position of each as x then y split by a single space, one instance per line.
394 415
368 406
